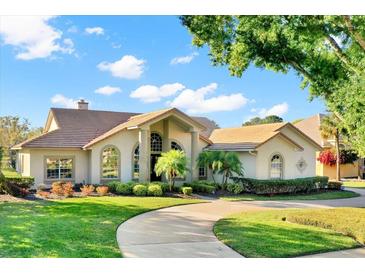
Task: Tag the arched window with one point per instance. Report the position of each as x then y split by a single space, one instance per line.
175 146
276 167
110 163
156 142
135 162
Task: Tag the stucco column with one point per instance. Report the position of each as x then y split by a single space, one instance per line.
166 137
144 154
194 155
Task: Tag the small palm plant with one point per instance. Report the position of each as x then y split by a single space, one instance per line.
228 163
208 159
173 164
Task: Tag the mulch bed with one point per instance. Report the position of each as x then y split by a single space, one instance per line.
12 199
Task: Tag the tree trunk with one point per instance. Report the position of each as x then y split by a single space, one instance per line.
338 158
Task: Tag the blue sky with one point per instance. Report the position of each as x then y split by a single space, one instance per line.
144 63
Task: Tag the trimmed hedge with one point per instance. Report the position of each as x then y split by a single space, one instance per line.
202 186
140 190
154 190
15 185
335 185
298 185
187 190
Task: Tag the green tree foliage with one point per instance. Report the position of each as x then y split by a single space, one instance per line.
267 120
221 162
327 52
14 130
172 164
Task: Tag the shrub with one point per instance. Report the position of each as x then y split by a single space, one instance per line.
140 190
154 190
113 186
57 188
164 186
102 190
187 190
62 189
335 185
86 190
15 185
282 186
201 187
123 189
68 189
235 188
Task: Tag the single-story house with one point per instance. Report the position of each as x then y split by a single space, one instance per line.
311 127
92 146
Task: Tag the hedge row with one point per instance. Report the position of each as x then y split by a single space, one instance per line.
15 185
202 186
298 185
138 189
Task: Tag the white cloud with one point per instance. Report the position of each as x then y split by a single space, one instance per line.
116 45
73 29
108 90
95 30
196 101
128 67
184 59
279 110
63 101
150 93
33 36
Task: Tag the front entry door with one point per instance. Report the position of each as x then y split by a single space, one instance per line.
154 177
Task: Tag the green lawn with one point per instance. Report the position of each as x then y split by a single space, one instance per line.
355 184
314 196
267 234
76 227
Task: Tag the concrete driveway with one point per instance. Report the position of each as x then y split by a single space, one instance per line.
187 231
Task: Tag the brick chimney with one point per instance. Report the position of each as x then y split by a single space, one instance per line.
82 104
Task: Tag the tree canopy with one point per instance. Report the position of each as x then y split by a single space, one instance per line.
267 120
327 52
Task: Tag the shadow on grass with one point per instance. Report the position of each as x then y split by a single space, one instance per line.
71 228
276 238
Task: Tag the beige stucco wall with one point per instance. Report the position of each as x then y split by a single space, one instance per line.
23 167
346 171
290 154
36 163
126 141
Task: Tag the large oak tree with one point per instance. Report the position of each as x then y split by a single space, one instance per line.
327 52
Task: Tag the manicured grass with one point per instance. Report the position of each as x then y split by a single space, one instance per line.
355 184
348 221
266 234
313 196
77 227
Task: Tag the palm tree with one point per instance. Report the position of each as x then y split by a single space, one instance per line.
173 164
330 128
228 163
207 159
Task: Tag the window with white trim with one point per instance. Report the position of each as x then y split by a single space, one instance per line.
276 167
59 168
110 163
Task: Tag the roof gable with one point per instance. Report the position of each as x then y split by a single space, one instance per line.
311 127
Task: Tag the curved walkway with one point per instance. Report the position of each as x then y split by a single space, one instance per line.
187 231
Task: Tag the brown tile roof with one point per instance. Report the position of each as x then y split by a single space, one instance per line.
255 134
140 120
77 128
251 137
210 125
310 126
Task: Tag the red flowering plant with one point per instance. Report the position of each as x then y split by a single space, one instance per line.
327 157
